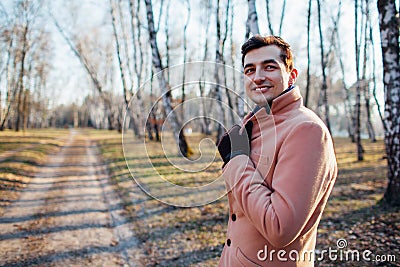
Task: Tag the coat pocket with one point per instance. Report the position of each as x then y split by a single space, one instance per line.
244 260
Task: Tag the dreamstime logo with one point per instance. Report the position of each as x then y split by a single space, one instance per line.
159 167
341 243
340 253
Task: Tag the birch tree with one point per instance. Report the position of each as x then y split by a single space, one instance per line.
8 73
366 88
138 56
185 57
324 89
122 68
308 53
166 97
222 48
252 19
122 42
357 108
389 31
27 18
217 73
239 102
203 109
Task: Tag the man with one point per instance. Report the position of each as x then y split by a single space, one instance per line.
278 182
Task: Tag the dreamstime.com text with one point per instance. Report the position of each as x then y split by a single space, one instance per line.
340 253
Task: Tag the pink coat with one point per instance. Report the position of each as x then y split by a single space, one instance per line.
276 197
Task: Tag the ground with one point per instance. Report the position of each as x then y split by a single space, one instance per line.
66 212
67 197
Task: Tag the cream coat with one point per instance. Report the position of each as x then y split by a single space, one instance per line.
276 197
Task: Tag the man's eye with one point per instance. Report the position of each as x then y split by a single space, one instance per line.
247 71
270 67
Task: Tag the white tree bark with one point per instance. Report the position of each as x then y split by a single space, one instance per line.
252 19
389 30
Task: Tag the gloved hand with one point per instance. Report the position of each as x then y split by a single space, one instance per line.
233 143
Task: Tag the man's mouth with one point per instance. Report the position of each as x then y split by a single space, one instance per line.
262 89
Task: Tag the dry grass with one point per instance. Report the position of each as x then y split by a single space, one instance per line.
195 236
21 153
355 212
170 236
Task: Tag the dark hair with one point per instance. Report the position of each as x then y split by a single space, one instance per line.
258 41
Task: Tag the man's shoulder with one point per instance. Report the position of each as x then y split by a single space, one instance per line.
306 117
304 114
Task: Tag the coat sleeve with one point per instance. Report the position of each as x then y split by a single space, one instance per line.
305 166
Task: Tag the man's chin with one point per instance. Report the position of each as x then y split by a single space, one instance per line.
261 102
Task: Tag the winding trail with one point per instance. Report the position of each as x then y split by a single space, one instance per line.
68 215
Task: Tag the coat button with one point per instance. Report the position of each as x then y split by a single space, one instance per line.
228 242
233 217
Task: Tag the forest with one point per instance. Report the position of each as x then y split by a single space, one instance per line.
110 112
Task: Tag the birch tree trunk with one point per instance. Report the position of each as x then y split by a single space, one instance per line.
324 88
138 59
167 35
203 109
366 88
10 81
20 85
25 109
252 18
166 98
118 51
136 124
222 48
184 59
308 54
357 126
239 103
389 31
218 68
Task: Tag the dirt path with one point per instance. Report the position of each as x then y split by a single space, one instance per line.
68 215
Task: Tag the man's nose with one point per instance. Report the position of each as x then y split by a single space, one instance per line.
259 76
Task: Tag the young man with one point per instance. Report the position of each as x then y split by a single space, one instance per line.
278 182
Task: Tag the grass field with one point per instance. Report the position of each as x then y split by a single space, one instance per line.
195 236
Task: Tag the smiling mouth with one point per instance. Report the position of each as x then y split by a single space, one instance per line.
262 89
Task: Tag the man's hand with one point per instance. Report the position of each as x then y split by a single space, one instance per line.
234 143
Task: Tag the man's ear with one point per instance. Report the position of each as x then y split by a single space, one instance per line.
293 77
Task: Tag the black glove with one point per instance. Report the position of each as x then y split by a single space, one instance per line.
233 143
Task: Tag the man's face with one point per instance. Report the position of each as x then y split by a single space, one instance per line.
266 74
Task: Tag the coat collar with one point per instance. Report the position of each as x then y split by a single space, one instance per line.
283 103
